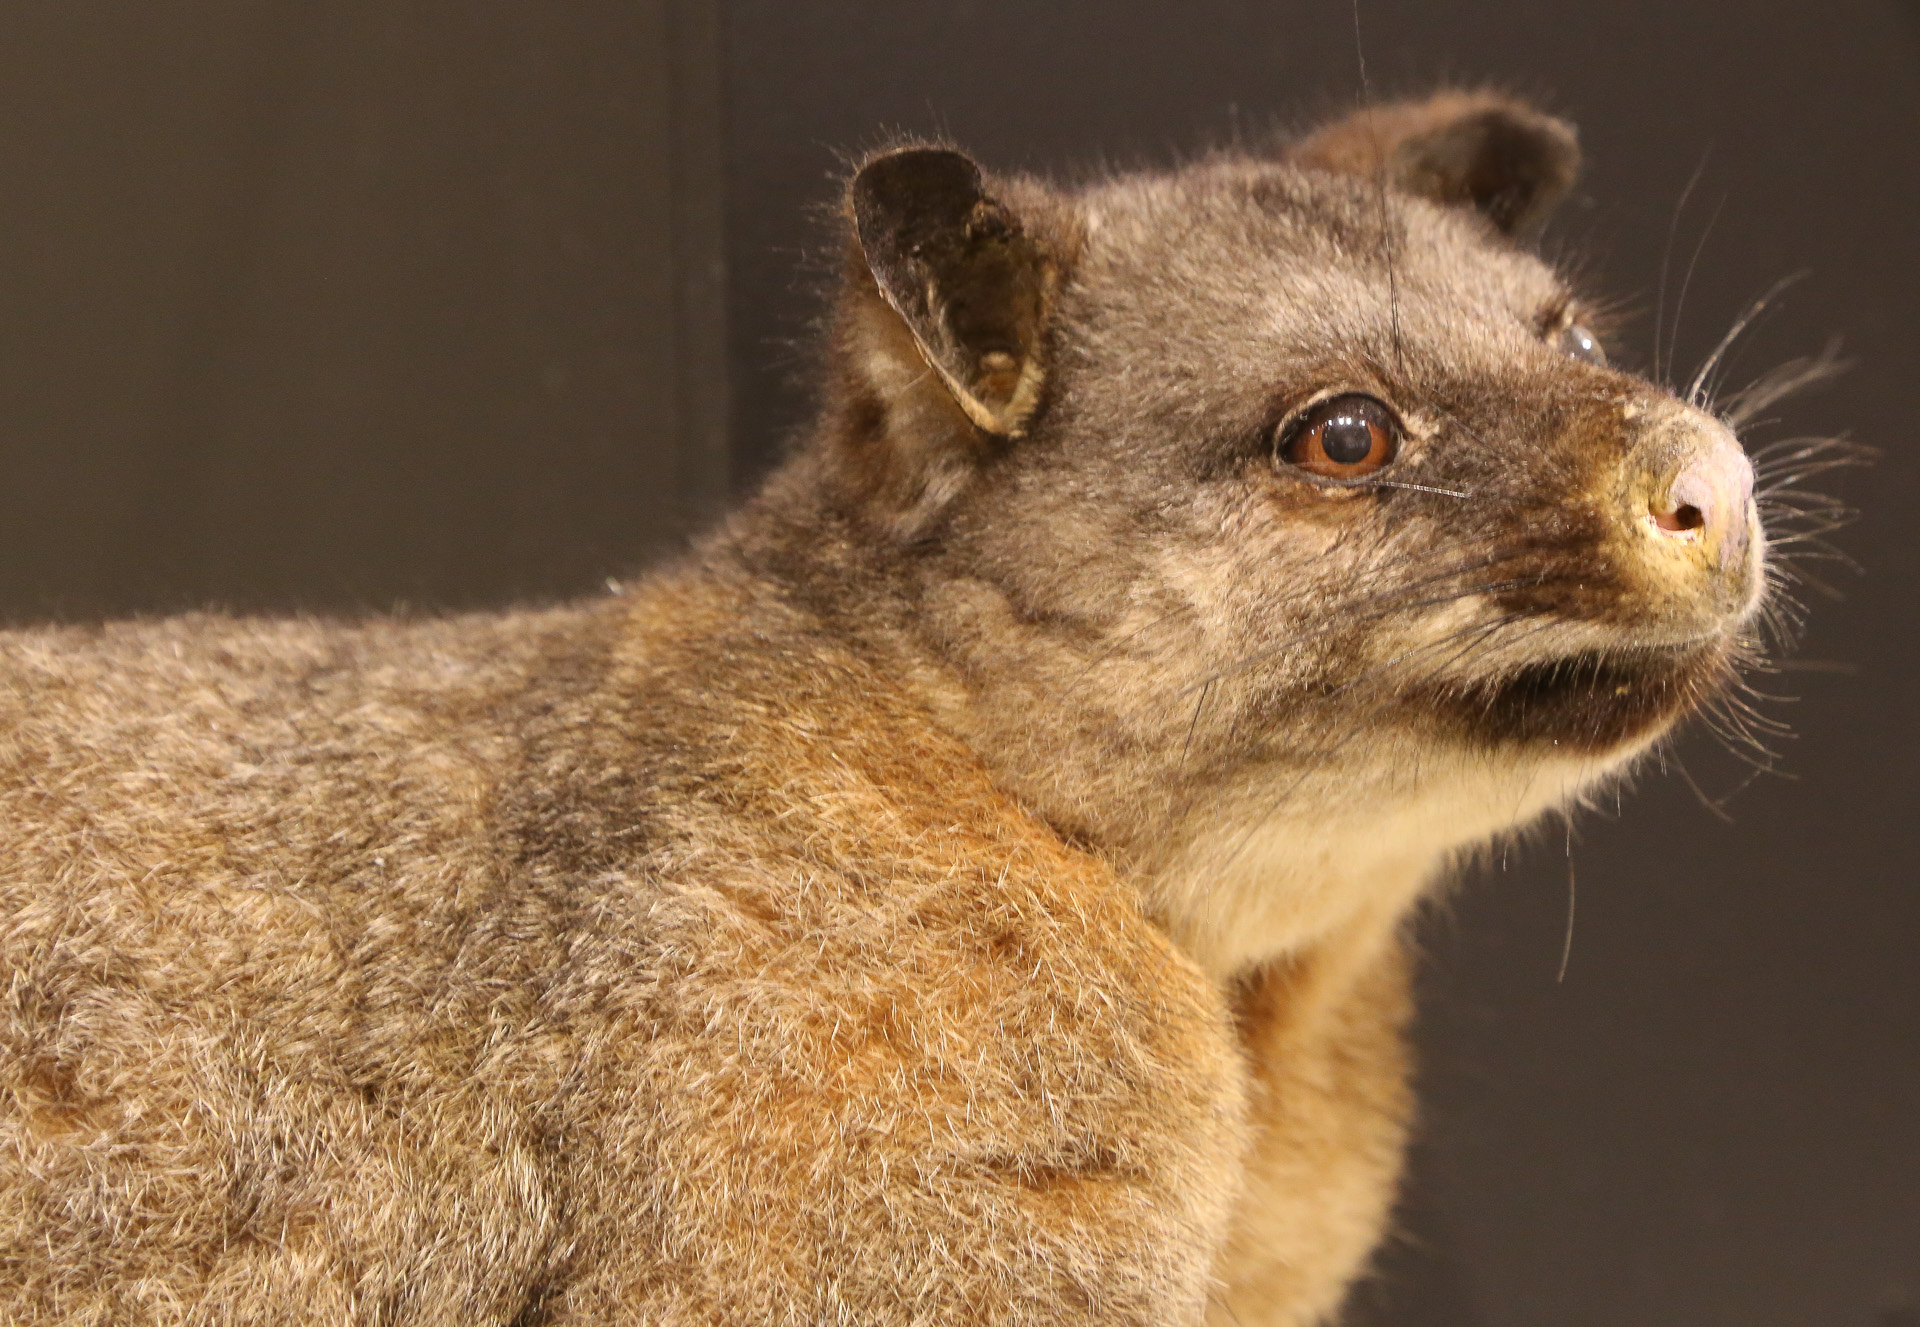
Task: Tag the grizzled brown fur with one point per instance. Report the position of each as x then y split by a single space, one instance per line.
967 889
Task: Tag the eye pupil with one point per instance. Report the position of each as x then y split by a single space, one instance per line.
1346 440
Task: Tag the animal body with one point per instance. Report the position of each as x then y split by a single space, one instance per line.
968 887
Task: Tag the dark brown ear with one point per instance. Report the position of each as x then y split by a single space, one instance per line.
1478 149
972 286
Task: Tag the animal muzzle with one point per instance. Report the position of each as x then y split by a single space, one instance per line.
1689 514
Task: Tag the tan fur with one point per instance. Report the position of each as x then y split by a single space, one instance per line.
1331 1109
286 1031
968 889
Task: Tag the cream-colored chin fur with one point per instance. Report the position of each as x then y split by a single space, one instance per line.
1248 879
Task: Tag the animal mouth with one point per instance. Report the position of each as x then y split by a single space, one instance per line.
1592 701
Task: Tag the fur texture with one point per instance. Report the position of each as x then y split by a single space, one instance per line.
967 889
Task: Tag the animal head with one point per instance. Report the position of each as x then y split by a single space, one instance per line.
1285 496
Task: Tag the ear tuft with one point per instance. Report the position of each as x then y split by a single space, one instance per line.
971 284
1501 157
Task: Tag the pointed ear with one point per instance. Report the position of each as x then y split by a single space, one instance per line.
1499 156
971 284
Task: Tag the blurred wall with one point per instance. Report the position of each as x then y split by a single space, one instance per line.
338 305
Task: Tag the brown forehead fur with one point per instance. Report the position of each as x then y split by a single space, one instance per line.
778 942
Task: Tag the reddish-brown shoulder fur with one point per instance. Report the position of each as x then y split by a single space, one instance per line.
655 961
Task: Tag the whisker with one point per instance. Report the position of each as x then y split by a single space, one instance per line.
1790 479
1116 646
1686 776
1566 947
1782 381
1666 258
1740 325
1839 667
1194 723
1680 305
1813 445
1415 488
1380 184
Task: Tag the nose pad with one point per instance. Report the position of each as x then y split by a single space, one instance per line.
1709 499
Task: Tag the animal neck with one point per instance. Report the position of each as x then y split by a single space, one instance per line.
1242 897
1240 883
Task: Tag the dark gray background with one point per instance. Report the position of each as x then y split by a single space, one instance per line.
340 305
344 303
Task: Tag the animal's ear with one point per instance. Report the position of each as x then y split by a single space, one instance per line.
971 284
1502 157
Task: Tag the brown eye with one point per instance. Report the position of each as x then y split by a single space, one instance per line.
1344 438
1582 345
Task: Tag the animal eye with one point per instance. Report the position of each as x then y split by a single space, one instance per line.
1344 438
1582 345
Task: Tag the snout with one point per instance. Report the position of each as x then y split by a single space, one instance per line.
1690 500
1709 500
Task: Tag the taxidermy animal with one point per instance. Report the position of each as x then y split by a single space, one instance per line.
967 888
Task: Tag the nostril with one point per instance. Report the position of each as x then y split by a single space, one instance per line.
1704 508
1681 519
1695 496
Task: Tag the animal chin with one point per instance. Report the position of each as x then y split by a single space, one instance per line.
1591 702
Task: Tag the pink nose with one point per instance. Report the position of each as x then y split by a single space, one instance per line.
1711 499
